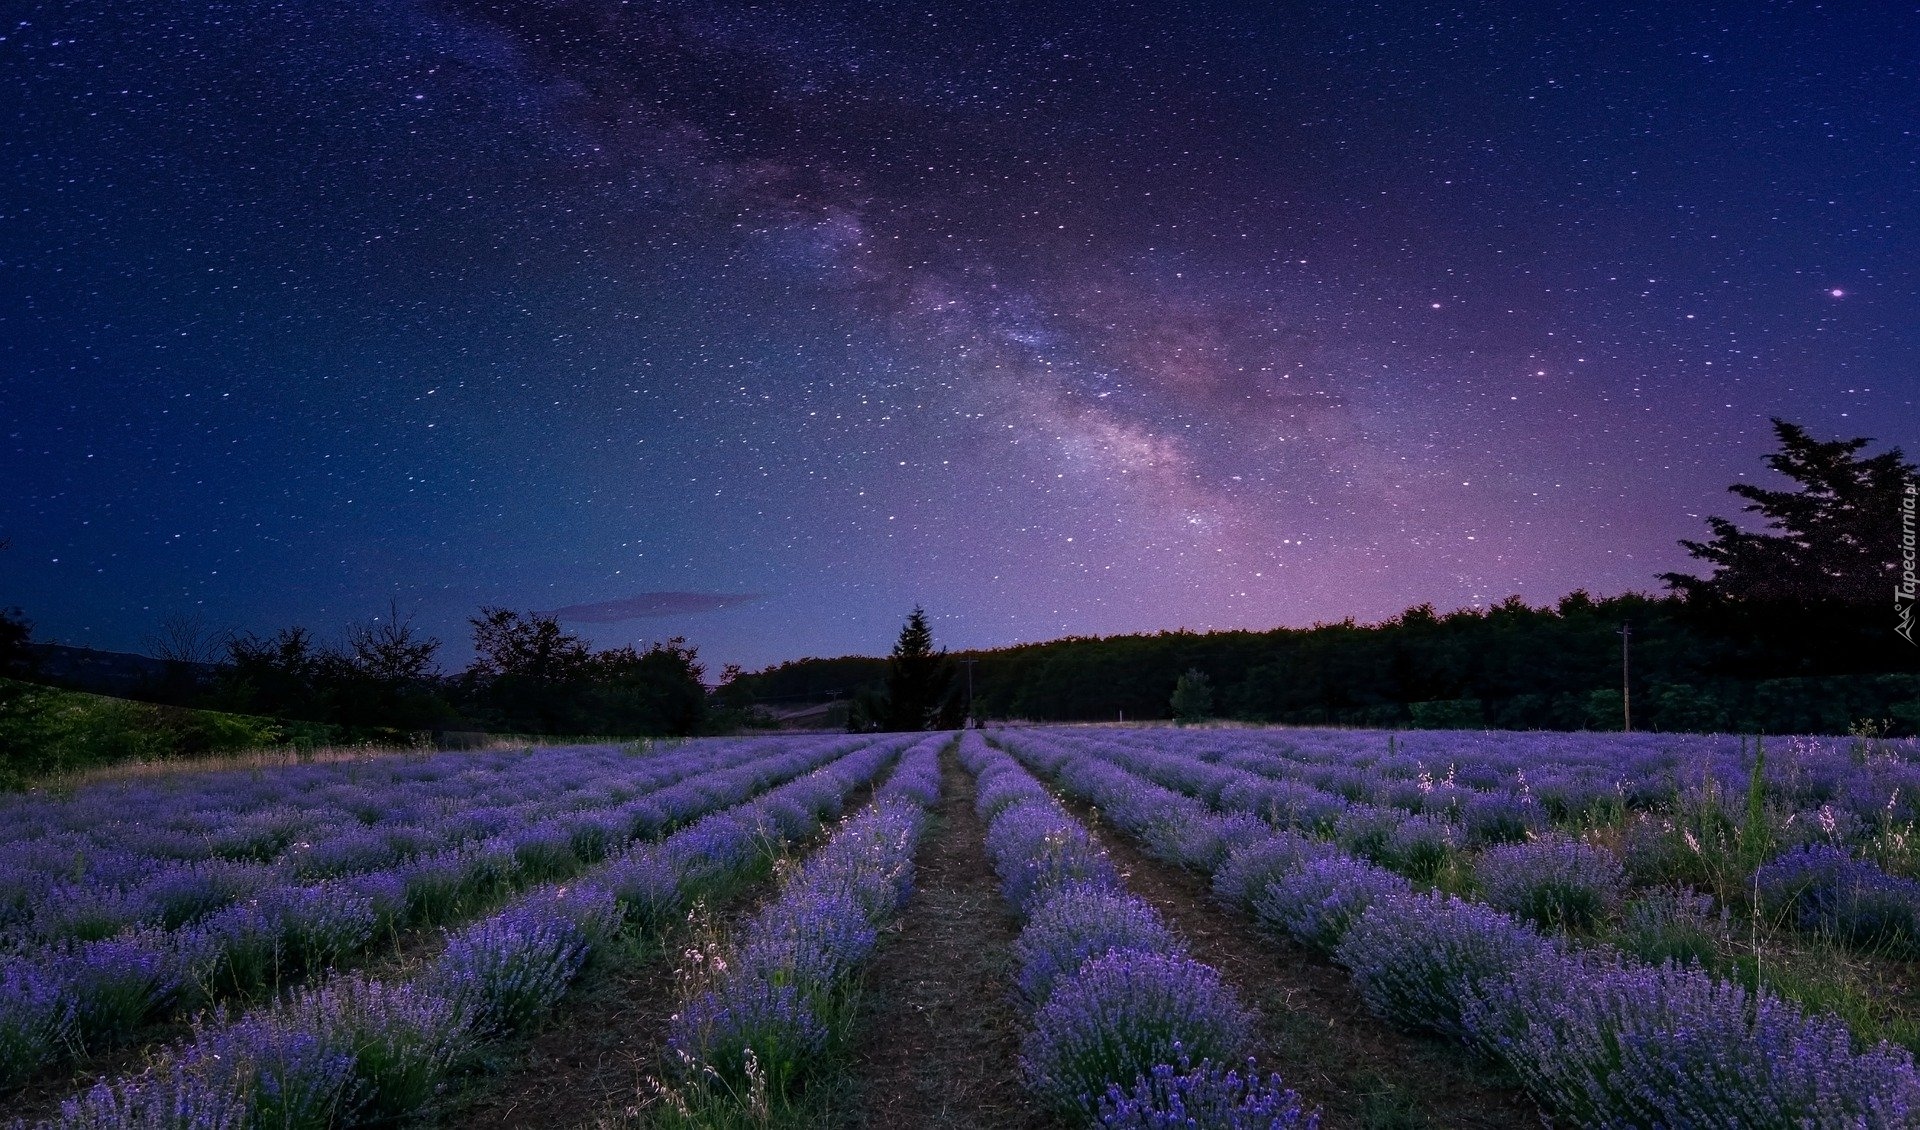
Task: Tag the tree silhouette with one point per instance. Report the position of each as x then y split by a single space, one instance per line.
1830 540
919 679
1192 697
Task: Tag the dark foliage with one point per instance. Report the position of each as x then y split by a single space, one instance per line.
918 689
1832 539
16 632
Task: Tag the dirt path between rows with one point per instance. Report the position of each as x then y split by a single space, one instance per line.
1316 1032
593 1063
940 1033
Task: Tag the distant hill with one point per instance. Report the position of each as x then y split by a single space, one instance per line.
118 673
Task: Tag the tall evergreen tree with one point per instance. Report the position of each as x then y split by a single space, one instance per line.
1192 697
1830 540
919 679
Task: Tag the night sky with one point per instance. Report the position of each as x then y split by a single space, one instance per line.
760 324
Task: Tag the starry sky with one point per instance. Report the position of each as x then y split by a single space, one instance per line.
759 324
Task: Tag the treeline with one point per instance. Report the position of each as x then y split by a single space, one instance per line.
1693 665
383 680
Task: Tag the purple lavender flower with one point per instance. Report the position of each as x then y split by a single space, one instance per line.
812 942
163 1101
509 970
1555 883
1822 889
545 853
1500 818
319 925
1038 850
236 951
1251 867
292 1076
718 1027
1209 1096
1419 847
1118 1017
1614 1045
118 983
36 1014
1316 902
1079 923
405 1038
1418 959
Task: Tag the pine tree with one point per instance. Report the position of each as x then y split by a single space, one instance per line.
1192 697
1832 539
919 679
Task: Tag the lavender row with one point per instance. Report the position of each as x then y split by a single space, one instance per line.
1859 783
100 993
359 1051
1597 1038
1814 884
758 1020
1120 1010
168 864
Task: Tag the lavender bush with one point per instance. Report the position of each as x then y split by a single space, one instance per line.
1418 959
1821 889
716 1029
1613 1045
509 970
1553 882
1079 923
1249 868
1121 1015
159 1102
1316 902
36 1015
1189 1098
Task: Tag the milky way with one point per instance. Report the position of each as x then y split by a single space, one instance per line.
1054 322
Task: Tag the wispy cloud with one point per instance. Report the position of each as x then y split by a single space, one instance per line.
643 605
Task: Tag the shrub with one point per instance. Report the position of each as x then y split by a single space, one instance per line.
1417 959
1612 1045
405 1038
1821 889
1118 1017
1079 923
1555 883
1206 1096
1419 847
717 1028
164 1101
1676 925
506 971
1039 851
36 1014
1249 869
812 942
1317 901
291 1077
118 983
319 925
1500 818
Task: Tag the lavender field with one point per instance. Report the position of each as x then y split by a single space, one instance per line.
1023 927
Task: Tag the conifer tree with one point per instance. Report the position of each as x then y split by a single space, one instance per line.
919 679
1833 539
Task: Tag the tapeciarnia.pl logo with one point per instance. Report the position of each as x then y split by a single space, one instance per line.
1904 594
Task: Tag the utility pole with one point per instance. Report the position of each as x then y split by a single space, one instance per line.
968 664
1626 691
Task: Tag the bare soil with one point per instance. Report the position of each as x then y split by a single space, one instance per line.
1315 1031
940 1031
